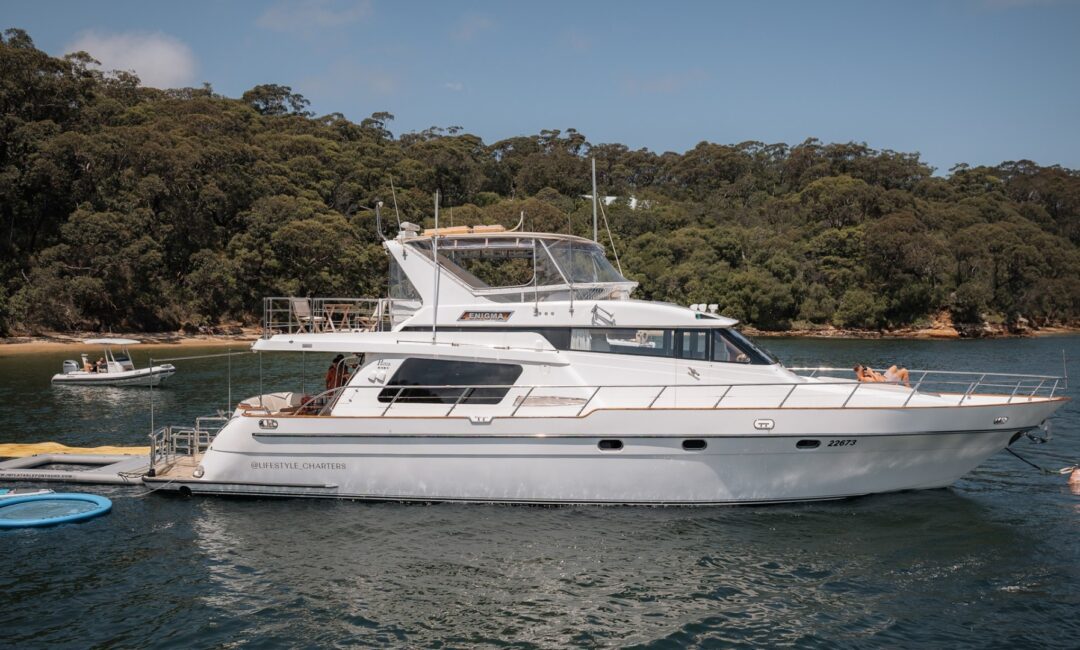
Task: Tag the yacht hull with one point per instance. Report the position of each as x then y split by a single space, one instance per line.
810 454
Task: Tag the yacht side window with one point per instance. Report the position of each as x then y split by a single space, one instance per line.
645 342
694 344
437 381
725 350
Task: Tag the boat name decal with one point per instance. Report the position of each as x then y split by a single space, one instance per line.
500 316
262 464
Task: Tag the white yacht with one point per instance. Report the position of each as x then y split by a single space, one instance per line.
112 369
514 367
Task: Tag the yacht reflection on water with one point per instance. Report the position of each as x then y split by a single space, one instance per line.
514 367
554 574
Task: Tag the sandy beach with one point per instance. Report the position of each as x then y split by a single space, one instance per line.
18 345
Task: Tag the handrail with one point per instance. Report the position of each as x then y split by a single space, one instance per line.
516 397
169 442
298 314
936 372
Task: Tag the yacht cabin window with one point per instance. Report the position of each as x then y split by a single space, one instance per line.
438 381
401 287
716 344
725 350
694 344
643 342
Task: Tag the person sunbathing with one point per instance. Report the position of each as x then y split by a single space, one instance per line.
863 373
894 375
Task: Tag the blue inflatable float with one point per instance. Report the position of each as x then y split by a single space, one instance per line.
50 509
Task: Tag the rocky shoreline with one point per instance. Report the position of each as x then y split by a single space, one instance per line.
952 332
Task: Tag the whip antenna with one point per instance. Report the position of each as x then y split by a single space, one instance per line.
611 239
394 194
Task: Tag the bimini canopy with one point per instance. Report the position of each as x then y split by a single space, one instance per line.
506 266
111 342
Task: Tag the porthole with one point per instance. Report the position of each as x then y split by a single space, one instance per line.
808 444
694 444
610 445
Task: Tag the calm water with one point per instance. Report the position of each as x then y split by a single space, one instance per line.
993 561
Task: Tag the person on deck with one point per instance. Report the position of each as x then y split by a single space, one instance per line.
893 375
335 374
101 365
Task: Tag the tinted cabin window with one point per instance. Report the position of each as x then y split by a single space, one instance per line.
757 354
447 382
559 337
644 342
730 346
725 350
694 344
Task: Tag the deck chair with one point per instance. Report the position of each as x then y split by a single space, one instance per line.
371 323
301 311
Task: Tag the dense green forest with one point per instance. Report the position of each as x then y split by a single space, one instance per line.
131 208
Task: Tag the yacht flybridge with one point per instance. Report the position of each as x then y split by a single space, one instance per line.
515 367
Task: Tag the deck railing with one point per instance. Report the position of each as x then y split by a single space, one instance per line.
170 442
292 315
955 388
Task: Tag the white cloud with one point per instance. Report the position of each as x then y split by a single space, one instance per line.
309 15
454 86
160 60
470 26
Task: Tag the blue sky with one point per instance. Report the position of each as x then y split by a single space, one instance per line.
976 81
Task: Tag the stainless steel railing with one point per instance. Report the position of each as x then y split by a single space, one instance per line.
1017 385
574 399
171 442
293 315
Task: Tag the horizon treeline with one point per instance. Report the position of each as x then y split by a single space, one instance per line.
124 207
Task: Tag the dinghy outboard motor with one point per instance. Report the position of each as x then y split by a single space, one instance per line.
70 366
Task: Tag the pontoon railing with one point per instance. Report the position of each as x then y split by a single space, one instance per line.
171 442
294 314
950 388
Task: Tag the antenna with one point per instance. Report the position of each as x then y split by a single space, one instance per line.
519 223
394 194
1065 368
536 292
614 251
378 219
435 258
594 232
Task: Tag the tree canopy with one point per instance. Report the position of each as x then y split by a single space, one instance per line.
128 207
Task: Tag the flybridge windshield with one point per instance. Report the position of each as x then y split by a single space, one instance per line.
506 262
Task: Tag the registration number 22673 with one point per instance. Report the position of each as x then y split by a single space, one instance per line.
841 443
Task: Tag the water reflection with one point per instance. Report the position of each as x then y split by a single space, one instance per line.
576 576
